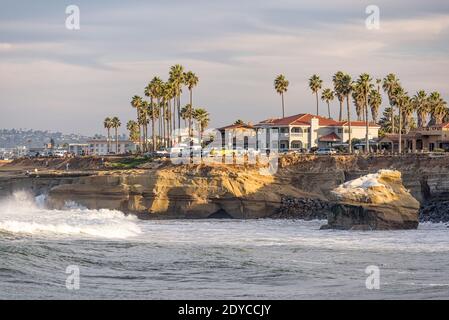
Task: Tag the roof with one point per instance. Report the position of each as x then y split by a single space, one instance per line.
236 126
393 137
105 141
358 124
299 119
331 137
306 118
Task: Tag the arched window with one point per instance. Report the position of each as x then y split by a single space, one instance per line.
297 130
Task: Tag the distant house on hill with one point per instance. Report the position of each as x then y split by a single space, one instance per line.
99 147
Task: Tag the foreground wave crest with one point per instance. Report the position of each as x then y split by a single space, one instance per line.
22 213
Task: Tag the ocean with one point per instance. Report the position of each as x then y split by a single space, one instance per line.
78 253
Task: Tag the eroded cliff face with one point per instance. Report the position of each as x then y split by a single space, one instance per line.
373 202
187 191
164 190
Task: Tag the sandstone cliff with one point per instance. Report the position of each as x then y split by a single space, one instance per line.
186 191
374 202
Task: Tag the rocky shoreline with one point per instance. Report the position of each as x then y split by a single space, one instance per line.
436 211
301 189
303 208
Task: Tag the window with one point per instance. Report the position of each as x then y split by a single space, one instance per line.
296 130
296 144
284 130
340 130
307 130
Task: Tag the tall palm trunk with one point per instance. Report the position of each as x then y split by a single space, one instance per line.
349 123
317 111
179 117
163 123
340 115
145 134
367 125
392 117
190 116
400 130
174 118
153 133
140 135
329 109
109 138
283 110
116 140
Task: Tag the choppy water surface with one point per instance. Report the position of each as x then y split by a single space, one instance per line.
122 257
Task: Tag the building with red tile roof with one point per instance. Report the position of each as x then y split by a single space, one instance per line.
306 131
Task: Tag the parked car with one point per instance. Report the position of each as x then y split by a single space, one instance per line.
326 151
60 153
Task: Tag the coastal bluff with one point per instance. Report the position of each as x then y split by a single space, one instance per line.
300 189
184 191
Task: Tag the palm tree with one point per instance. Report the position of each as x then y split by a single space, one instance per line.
191 80
338 87
152 112
168 96
390 83
202 118
177 79
133 129
364 81
327 95
345 88
186 112
154 91
400 99
281 86
136 103
407 113
107 123
374 101
315 84
421 106
359 100
239 122
438 107
116 124
378 83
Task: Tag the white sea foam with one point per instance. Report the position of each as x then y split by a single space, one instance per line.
22 213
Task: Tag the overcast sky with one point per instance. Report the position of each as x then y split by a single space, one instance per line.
58 79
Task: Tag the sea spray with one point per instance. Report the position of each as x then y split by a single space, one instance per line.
23 213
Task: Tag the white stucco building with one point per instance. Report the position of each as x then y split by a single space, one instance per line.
99 147
308 131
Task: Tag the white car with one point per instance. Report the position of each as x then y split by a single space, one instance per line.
326 151
60 153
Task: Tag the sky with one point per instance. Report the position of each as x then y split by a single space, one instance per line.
65 80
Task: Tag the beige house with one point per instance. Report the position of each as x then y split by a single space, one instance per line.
420 139
240 134
308 131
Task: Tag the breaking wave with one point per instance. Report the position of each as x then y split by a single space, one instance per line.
23 213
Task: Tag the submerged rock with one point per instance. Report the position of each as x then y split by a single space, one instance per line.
373 202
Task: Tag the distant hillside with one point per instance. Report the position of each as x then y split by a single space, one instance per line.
10 138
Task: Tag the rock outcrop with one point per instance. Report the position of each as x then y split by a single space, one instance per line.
374 202
195 191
